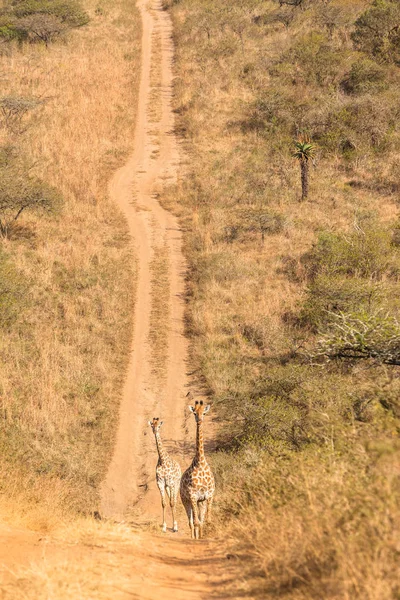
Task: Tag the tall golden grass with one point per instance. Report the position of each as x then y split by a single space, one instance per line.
308 463
63 361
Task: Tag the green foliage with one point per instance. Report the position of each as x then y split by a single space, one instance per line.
68 12
349 273
329 294
377 31
20 191
366 252
365 76
8 30
305 150
361 336
312 60
40 20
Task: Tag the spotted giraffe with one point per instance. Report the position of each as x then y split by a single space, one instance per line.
197 483
168 475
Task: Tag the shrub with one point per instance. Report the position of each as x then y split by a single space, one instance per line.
366 253
377 31
40 27
312 60
69 12
40 20
328 295
262 221
20 191
13 110
8 31
361 336
364 76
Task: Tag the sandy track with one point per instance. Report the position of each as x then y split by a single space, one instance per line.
134 188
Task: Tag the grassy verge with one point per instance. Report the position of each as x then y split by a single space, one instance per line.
293 304
66 307
159 312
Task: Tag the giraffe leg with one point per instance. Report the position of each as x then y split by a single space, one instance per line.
202 514
172 501
209 507
196 520
188 508
161 487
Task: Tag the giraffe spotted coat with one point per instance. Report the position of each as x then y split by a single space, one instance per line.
168 475
197 483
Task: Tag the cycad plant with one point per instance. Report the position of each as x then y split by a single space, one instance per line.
304 152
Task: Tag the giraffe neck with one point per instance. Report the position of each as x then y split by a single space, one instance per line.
160 448
200 456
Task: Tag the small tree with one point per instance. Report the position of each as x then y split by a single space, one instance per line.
40 27
20 191
13 109
304 152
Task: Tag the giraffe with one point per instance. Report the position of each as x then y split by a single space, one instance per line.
197 483
168 474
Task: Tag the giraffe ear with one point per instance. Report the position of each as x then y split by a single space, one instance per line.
149 422
191 408
207 408
161 422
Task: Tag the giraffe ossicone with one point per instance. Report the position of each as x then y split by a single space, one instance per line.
197 483
168 474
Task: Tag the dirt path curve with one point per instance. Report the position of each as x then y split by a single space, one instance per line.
134 188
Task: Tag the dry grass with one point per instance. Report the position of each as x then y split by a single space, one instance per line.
155 105
63 361
307 493
159 312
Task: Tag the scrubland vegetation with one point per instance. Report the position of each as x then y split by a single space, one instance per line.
294 300
67 111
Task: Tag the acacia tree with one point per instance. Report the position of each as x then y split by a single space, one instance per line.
20 191
40 27
304 153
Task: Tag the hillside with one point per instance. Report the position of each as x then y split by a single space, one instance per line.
293 308
67 122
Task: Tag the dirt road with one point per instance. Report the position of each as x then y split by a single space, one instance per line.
156 383
125 555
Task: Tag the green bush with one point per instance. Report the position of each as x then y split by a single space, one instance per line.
311 60
366 253
365 76
8 30
328 295
20 191
377 31
361 335
68 12
40 20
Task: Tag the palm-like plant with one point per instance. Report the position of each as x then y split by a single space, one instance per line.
304 152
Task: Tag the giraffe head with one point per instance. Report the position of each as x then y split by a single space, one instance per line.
199 410
155 424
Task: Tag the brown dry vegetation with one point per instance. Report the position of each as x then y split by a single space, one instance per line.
293 307
65 291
